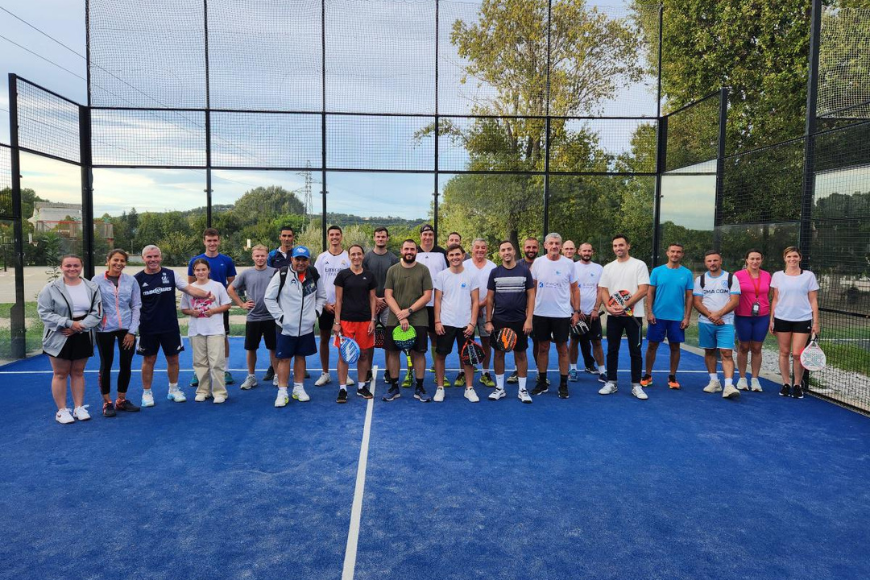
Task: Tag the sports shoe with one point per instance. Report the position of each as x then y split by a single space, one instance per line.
406 384
471 395
270 374
350 382
524 397
637 391
342 396
602 377
591 370
194 381
742 385
785 390
513 378
322 380
497 394
369 376
755 385
220 399
797 392
307 375
573 375
109 409
126 405
673 384
646 381
228 378
608 389
200 397
563 392
300 395
439 395
446 383
730 392
176 395
540 388
387 379
393 394
249 382
81 413
714 386
486 380
64 417
282 399
420 395
364 392
147 398
460 380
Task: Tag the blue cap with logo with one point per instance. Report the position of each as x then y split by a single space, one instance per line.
301 252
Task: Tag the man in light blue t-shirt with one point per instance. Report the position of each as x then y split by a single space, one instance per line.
670 307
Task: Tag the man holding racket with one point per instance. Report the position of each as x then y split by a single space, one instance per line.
407 290
482 266
588 275
529 255
510 304
624 283
328 265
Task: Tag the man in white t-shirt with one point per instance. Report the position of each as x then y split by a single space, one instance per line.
623 285
588 274
457 301
434 257
328 264
716 295
557 309
479 264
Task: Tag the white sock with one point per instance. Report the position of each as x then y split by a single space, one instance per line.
343 387
252 375
522 383
601 369
728 381
573 367
173 386
282 391
499 382
714 377
297 386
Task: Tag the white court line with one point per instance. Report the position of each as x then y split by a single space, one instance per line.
356 510
555 370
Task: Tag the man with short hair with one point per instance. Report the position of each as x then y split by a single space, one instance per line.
557 309
158 323
278 258
328 265
510 303
479 264
588 274
628 279
716 295
530 253
378 260
434 257
668 312
456 305
259 324
569 250
407 290
456 238
222 270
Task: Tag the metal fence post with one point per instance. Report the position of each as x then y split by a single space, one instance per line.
87 178
809 185
18 328
720 164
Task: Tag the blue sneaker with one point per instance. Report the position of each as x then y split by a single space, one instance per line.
573 375
228 378
393 394
194 381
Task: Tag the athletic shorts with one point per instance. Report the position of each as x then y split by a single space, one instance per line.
77 347
594 333
522 339
431 312
670 328
481 324
444 342
421 344
547 328
227 323
150 344
751 328
800 327
326 320
715 335
265 329
359 331
290 346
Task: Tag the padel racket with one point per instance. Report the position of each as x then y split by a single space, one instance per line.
621 298
580 329
348 349
472 353
812 357
504 340
405 339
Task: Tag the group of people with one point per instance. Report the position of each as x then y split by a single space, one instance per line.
449 298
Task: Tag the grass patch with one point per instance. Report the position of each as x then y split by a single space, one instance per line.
29 310
848 357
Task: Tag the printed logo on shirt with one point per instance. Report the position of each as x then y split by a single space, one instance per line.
165 278
145 285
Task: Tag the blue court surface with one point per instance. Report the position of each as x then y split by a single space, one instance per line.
684 485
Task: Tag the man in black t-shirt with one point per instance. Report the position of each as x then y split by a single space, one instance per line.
378 260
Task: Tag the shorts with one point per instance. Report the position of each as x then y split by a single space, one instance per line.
594 333
227 323
150 344
444 342
715 335
751 328
77 347
522 338
431 312
670 328
481 324
290 346
265 329
326 320
547 328
359 331
801 327
420 345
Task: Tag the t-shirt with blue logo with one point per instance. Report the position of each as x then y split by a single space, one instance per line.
554 279
158 314
222 267
716 294
671 285
456 296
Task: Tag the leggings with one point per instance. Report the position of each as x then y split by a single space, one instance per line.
106 346
632 326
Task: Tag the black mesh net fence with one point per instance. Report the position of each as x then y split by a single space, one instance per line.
266 140
47 124
844 65
380 143
148 138
693 136
6 210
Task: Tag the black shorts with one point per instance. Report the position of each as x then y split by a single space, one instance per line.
800 327
517 327
290 346
547 328
77 347
227 323
430 310
420 345
254 330
325 321
595 331
150 344
444 342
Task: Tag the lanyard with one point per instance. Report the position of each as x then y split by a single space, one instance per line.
756 282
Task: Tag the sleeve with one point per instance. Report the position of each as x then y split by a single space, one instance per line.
490 282
239 283
231 267
572 274
222 296
475 283
437 283
388 282
189 267
180 283
654 277
642 274
318 265
135 307
813 284
427 279
270 298
774 280
45 309
320 299
269 258
186 301
373 284
604 280
696 290
339 280
530 282
735 285
690 284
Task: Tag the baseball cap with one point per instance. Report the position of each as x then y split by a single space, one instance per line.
426 228
301 252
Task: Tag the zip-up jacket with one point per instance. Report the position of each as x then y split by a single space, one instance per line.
121 304
54 306
298 304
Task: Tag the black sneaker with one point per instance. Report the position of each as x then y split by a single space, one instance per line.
387 379
108 409
785 391
797 391
126 405
369 377
513 379
563 391
420 395
393 394
602 377
342 396
540 388
270 374
364 392
591 370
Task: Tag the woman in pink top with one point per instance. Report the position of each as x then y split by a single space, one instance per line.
752 317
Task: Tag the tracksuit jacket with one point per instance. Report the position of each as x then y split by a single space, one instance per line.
54 306
299 304
121 304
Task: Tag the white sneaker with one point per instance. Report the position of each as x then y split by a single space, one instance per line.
200 397
300 395
282 399
755 385
608 389
439 395
147 398
350 382
741 384
637 391
322 380
471 395
524 397
176 395
730 392
219 399
714 386
81 413
64 417
249 383
497 394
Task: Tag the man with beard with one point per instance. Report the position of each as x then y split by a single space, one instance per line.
588 274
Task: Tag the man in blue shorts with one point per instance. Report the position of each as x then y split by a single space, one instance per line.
716 295
278 258
669 307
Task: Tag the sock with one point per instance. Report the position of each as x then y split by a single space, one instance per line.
601 369
499 382
563 380
297 386
714 377
729 381
343 387
282 391
522 383
573 367
420 383
173 386
672 378
542 377
394 383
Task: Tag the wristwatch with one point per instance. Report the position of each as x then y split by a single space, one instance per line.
410 310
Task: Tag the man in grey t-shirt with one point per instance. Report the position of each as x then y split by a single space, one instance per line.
378 260
259 323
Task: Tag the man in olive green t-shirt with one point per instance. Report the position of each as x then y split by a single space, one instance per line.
407 291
